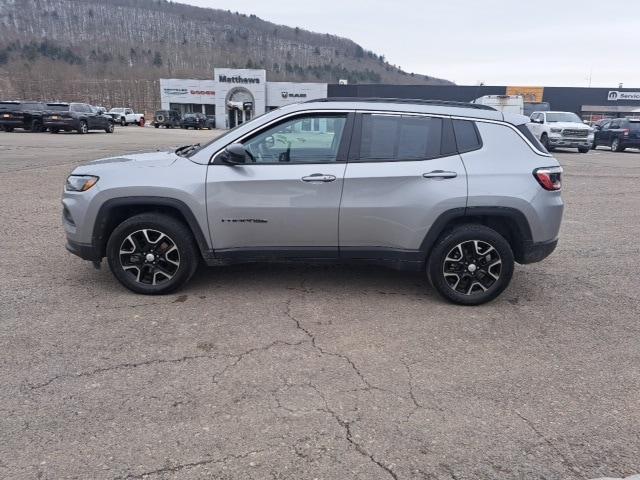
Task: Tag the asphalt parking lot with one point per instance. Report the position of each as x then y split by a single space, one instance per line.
315 372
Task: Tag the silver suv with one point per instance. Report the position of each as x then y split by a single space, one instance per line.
458 191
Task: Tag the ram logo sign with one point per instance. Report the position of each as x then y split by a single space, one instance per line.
615 95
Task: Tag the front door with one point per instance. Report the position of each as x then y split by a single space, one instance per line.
403 172
285 199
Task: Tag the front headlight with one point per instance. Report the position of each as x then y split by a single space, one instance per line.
80 183
556 130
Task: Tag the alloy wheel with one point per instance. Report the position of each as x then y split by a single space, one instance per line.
149 256
614 145
472 266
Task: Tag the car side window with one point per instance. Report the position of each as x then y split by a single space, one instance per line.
467 136
306 139
615 124
395 137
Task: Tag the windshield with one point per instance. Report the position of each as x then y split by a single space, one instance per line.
117 110
563 117
634 125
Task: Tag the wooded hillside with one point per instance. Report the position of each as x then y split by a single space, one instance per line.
113 52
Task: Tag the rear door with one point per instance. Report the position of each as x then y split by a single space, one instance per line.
403 172
285 201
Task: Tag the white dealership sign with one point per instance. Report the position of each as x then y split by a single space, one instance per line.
177 90
615 95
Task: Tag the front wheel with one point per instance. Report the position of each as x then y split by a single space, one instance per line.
545 141
83 127
110 128
123 122
152 254
471 265
583 149
8 129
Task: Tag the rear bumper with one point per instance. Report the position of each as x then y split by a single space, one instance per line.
536 252
61 124
11 123
630 143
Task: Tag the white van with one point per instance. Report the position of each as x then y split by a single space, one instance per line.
503 103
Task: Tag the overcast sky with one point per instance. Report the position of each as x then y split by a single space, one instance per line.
498 42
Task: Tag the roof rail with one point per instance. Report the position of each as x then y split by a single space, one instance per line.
442 103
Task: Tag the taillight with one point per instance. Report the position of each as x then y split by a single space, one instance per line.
549 178
625 132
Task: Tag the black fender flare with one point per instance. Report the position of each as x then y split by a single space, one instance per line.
100 228
459 214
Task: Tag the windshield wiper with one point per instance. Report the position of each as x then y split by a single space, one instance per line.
186 149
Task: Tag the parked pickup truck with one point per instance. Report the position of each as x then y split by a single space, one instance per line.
561 129
125 116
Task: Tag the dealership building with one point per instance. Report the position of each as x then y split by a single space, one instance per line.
234 96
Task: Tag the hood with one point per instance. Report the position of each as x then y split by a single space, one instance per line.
139 160
572 125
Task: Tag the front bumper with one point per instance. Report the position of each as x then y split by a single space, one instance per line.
83 250
571 142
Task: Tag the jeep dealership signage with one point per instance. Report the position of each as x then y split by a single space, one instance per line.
615 95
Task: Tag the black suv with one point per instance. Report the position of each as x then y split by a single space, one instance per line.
167 119
194 120
618 134
26 115
75 116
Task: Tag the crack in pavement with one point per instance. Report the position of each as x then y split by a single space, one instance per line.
322 351
182 466
346 425
575 471
128 365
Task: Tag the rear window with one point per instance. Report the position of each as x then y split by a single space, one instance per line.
399 137
524 129
57 107
634 125
467 136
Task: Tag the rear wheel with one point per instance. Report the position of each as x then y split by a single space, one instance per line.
55 130
8 129
83 127
470 265
615 145
152 253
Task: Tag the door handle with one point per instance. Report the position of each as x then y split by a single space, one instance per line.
440 174
319 177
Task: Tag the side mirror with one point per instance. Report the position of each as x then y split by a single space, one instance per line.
235 154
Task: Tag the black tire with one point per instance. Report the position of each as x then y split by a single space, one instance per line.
583 149
615 145
83 127
110 128
55 130
594 145
36 126
157 126
8 129
492 267
544 139
177 234
123 122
